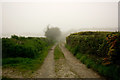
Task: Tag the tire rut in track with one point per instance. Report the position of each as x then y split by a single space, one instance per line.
54 68
67 67
77 66
63 70
47 69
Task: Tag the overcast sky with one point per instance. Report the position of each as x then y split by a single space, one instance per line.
31 18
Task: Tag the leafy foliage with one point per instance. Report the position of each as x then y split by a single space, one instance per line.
113 42
23 47
24 54
98 50
95 43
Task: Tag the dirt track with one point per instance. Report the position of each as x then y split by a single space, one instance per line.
47 69
68 67
79 68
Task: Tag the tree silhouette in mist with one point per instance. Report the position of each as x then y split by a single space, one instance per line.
53 33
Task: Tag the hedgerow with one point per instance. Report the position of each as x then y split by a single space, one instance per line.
98 50
24 54
23 47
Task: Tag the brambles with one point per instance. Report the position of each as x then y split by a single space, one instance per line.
113 42
98 50
96 43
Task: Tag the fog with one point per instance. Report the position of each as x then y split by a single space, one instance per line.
32 18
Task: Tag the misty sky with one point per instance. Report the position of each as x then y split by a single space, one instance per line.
31 19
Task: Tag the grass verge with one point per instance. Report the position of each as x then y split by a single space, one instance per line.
24 65
58 54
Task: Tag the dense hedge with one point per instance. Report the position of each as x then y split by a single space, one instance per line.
100 44
23 47
97 48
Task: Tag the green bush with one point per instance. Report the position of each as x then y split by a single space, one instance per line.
98 50
109 71
24 54
23 47
95 43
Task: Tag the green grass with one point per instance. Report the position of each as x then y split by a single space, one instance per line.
24 54
58 54
25 64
